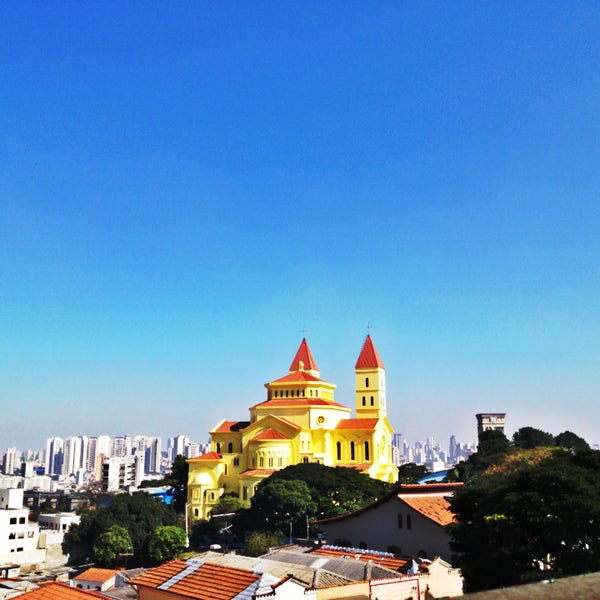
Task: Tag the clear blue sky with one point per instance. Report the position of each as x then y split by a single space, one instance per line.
187 186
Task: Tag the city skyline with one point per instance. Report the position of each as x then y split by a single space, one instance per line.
188 191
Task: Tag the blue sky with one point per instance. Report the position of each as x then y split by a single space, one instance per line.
187 187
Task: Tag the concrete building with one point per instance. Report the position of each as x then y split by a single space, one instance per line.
495 421
122 472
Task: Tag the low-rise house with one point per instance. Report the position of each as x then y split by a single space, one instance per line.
58 521
197 580
60 591
409 520
95 579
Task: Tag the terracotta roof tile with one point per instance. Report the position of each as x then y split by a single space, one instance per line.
60 591
96 574
297 376
278 402
257 473
231 426
268 434
369 357
436 508
200 581
305 355
207 457
357 424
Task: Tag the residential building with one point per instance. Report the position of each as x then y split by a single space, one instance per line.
54 456
10 461
299 422
60 591
122 472
409 520
95 579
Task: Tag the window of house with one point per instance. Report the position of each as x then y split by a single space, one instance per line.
196 512
338 447
366 382
364 401
399 521
280 462
408 522
11 536
270 461
305 460
371 400
261 462
367 451
20 549
218 448
245 493
30 534
352 453
13 520
230 447
236 462
22 520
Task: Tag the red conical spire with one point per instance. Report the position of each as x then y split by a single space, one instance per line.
369 357
305 356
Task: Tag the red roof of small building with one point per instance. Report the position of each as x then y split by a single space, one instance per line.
305 355
200 581
96 574
268 434
357 424
207 457
60 591
369 357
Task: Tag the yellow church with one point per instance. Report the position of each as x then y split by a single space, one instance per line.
299 422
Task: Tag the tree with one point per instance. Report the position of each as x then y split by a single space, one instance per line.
112 543
571 441
139 513
334 490
259 542
277 503
411 472
228 503
530 437
539 506
178 480
165 543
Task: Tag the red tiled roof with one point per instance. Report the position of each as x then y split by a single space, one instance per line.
268 434
389 562
96 574
357 424
200 581
208 456
369 357
436 508
60 591
257 473
297 376
277 402
305 355
229 426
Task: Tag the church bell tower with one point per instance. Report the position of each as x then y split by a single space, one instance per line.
370 383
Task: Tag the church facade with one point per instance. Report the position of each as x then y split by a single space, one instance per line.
299 422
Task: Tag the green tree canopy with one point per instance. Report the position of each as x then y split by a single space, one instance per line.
537 507
334 490
139 513
571 441
110 545
411 472
165 543
277 503
530 437
259 542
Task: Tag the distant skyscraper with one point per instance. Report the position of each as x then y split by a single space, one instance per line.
54 456
10 460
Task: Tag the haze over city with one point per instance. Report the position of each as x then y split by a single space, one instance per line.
188 190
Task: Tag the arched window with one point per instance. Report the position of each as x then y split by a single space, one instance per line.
408 522
338 447
352 457
371 400
366 382
218 448
261 462
230 447
364 401
367 451
399 521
